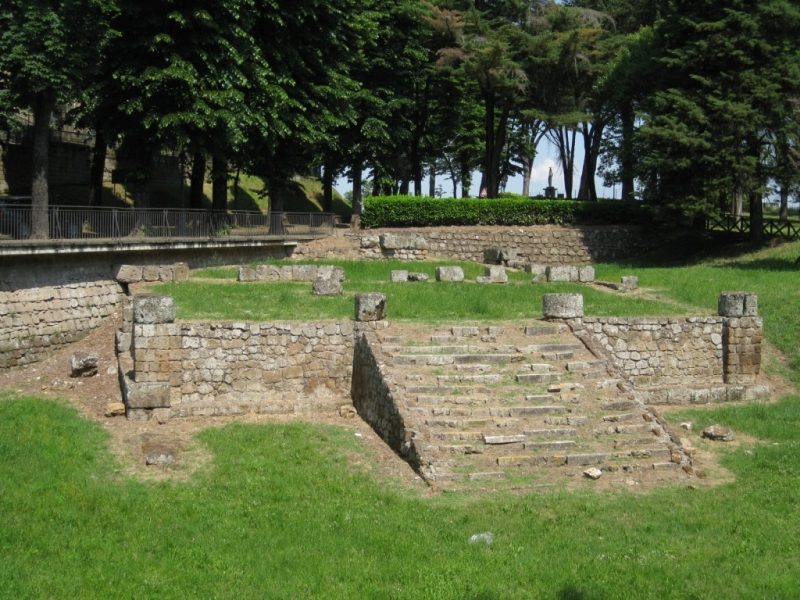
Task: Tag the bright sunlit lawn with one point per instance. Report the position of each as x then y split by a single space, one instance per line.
282 513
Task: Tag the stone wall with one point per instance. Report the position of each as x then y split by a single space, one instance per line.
548 244
664 350
372 397
210 369
49 301
45 308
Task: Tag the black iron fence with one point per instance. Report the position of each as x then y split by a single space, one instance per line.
78 222
741 224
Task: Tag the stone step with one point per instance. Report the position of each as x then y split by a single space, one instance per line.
487 423
488 378
553 446
622 405
483 411
537 377
631 429
542 329
549 348
553 433
587 367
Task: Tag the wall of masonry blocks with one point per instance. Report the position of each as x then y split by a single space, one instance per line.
46 307
49 301
535 244
223 368
661 350
681 350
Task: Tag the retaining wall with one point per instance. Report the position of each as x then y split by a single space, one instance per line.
547 244
211 369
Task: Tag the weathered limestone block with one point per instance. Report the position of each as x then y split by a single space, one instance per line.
500 255
629 283
150 309
496 274
247 274
328 281
371 240
151 272
268 273
538 272
586 274
304 273
399 276
417 277
180 272
147 395
403 241
738 304
128 274
562 306
562 273
84 364
452 274
370 307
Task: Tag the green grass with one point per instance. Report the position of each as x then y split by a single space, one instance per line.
771 273
283 513
429 301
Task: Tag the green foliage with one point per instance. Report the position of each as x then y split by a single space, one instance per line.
409 211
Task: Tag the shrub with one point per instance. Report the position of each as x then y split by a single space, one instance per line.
413 211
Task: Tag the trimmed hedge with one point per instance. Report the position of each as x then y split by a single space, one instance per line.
421 211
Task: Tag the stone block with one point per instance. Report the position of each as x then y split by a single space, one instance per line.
481 280
146 395
417 277
538 272
246 274
586 274
629 283
562 306
496 274
84 364
403 241
370 307
304 273
562 273
738 304
451 274
180 272
268 273
150 309
328 281
128 274
150 272
399 276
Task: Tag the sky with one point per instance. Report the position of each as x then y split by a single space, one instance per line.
545 160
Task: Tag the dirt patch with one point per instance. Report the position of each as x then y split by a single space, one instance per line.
132 442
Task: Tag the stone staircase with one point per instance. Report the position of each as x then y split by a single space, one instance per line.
519 406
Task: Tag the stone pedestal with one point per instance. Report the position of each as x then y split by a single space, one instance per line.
370 307
742 334
562 306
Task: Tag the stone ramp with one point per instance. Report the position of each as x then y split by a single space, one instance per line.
517 405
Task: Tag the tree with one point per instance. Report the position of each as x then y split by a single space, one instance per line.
48 49
727 69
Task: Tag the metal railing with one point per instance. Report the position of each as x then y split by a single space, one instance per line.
741 224
78 222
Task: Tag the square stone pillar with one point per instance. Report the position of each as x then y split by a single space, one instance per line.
742 334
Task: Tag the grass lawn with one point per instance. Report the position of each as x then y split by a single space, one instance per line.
283 514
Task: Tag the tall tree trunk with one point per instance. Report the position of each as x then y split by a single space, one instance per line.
756 217
197 179
40 199
592 134
97 169
358 200
219 183
527 168
466 181
417 167
626 151
488 180
327 188
405 185
564 139
738 202
432 181
497 152
783 216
